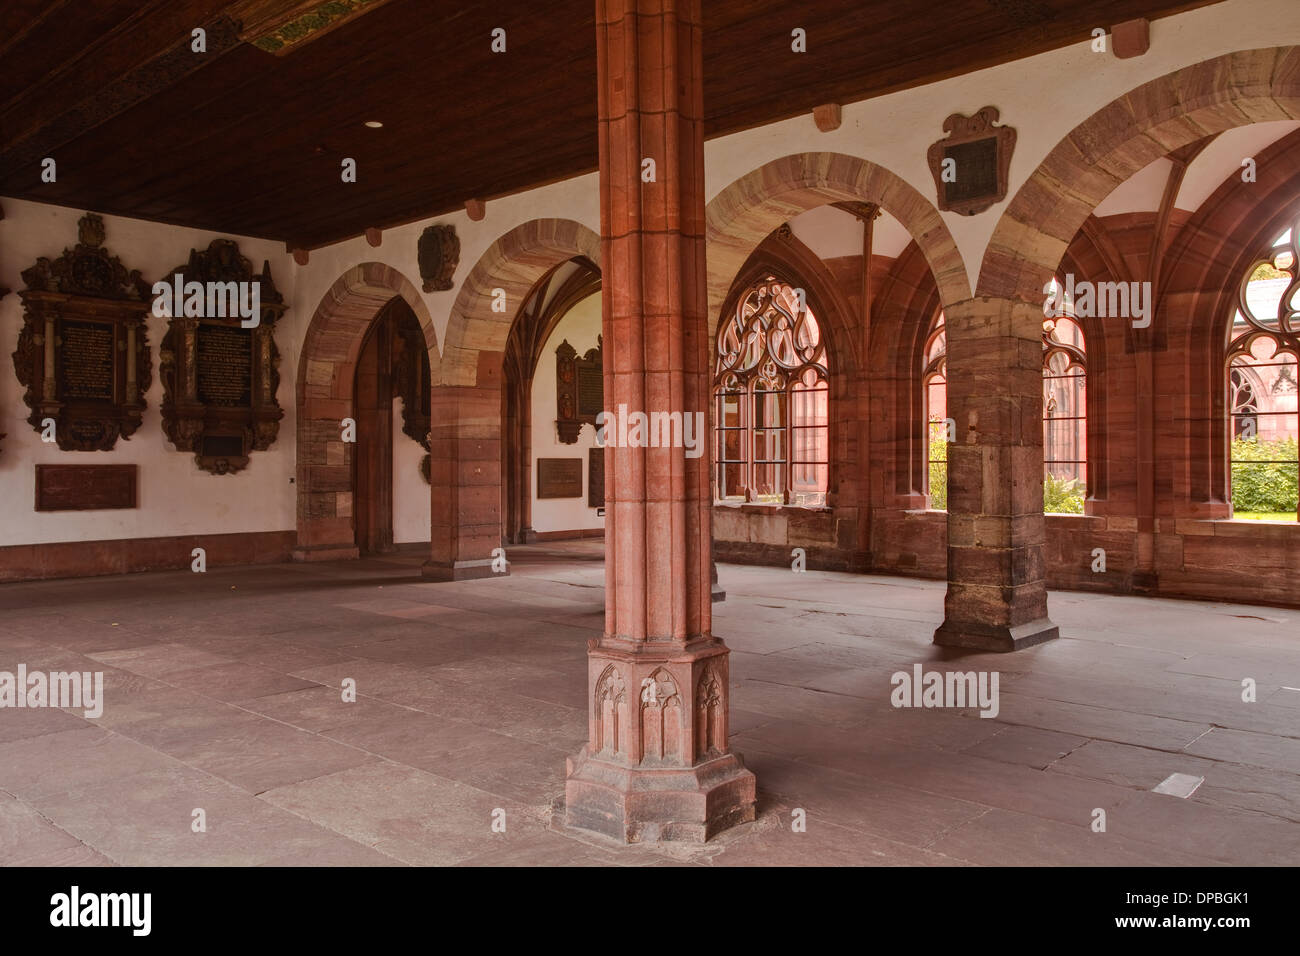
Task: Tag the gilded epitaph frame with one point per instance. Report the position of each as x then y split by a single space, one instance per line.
575 405
88 292
222 437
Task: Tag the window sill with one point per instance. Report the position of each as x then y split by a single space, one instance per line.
756 507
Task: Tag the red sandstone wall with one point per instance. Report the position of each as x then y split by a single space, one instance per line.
1152 436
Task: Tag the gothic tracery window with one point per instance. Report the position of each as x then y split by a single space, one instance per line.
1263 345
1065 416
772 400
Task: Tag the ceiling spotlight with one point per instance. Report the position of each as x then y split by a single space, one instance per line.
374 124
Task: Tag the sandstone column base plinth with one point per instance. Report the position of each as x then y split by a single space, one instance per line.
986 637
459 570
656 765
647 805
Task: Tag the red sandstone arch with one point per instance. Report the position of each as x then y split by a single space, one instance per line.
746 212
1199 287
1236 89
514 263
1032 237
326 367
1000 578
903 309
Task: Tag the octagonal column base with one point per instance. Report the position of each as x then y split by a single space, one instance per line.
668 804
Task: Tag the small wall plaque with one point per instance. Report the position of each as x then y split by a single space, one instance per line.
85 487
559 478
970 167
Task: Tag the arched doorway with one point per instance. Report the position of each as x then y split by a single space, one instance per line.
550 300
392 392
329 370
469 432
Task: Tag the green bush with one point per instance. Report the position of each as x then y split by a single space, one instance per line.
1264 475
1062 496
938 467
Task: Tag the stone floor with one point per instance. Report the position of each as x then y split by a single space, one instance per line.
222 694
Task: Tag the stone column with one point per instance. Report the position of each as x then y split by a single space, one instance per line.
997 588
465 475
656 765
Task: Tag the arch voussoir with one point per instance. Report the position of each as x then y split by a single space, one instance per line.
743 214
994 397
499 282
326 369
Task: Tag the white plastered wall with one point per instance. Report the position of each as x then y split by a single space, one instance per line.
1043 97
580 327
175 496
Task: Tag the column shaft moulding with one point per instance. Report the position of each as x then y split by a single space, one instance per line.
656 765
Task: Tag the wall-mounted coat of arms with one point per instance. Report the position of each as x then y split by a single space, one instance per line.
439 254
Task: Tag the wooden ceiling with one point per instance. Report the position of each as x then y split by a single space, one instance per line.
245 141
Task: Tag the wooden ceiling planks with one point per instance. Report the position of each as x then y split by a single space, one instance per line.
251 143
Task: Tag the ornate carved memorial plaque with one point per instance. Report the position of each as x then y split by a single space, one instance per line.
85 487
579 390
970 167
559 478
438 253
83 352
595 477
219 368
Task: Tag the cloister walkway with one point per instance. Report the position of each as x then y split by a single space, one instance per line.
223 694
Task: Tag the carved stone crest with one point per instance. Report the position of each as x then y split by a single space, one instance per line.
970 167
439 254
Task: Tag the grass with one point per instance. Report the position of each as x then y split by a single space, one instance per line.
1264 515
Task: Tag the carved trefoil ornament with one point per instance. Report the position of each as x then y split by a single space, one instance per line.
83 352
710 713
610 718
439 254
971 166
662 721
220 377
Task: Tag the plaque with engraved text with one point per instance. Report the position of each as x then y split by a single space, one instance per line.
225 365
86 361
971 166
591 390
559 478
85 487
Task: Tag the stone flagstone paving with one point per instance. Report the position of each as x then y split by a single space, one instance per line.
222 693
